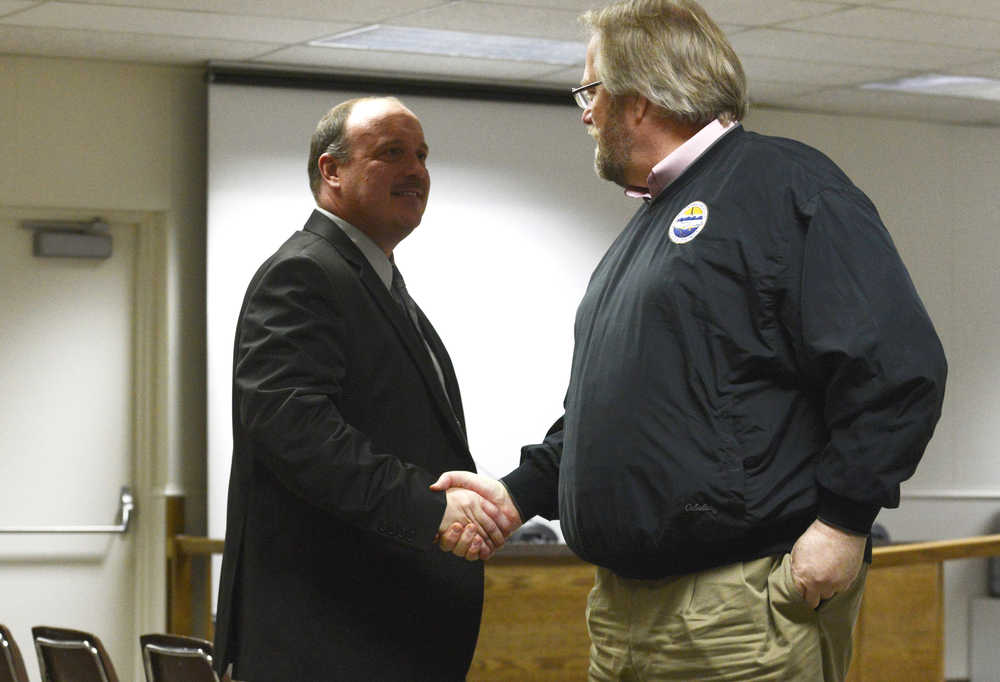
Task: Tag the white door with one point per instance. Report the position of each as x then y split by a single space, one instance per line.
66 434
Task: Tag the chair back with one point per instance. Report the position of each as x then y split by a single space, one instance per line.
11 663
174 658
71 656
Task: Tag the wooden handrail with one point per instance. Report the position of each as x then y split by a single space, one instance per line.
932 552
194 546
181 549
891 555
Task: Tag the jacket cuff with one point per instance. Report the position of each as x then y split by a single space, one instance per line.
513 500
846 514
420 526
528 496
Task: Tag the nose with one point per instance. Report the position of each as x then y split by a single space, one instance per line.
418 168
587 117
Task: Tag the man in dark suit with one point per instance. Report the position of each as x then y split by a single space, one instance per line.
345 409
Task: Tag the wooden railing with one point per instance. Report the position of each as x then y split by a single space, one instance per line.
182 552
938 551
903 609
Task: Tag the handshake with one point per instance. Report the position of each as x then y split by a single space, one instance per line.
480 515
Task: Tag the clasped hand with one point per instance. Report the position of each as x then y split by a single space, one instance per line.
480 515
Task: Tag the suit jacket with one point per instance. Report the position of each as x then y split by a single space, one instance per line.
340 424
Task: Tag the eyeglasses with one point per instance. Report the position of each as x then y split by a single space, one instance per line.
584 95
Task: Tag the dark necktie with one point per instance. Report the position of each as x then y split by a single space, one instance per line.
402 296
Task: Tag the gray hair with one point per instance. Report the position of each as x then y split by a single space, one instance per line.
330 137
671 53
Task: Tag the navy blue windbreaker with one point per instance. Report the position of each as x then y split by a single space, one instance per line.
750 355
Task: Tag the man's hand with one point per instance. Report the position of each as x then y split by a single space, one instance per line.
825 560
461 540
474 518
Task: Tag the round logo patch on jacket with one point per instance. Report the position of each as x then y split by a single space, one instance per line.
689 222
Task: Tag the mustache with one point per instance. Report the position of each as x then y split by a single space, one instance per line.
411 187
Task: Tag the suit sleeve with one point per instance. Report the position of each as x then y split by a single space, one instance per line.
288 378
867 346
534 485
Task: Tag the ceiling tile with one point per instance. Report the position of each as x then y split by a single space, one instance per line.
131 47
351 11
7 6
763 12
895 24
850 50
557 24
982 9
397 63
172 22
798 54
576 6
742 12
899 106
816 74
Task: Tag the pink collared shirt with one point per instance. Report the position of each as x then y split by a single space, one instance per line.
677 161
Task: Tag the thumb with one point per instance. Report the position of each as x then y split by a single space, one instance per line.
443 482
449 479
453 479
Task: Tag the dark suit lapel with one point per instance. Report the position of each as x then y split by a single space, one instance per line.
322 226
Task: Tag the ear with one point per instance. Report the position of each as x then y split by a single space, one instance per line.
329 170
638 109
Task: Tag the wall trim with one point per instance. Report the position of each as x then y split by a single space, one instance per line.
151 375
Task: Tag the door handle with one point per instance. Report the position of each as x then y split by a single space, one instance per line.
126 505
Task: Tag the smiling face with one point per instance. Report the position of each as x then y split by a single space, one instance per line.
603 119
382 188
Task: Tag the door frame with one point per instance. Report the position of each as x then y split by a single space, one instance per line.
151 378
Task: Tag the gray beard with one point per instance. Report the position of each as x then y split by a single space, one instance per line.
608 167
612 154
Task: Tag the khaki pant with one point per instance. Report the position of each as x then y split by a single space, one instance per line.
746 621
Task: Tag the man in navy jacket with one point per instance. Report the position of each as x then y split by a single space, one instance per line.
753 377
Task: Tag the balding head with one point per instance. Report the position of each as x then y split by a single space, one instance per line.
330 136
375 177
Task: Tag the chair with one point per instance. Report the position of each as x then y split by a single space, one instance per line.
174 658
11 664
71 656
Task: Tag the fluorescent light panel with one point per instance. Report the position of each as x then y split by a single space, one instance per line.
948 86
457 44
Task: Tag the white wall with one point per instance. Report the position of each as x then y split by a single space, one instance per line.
102 135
